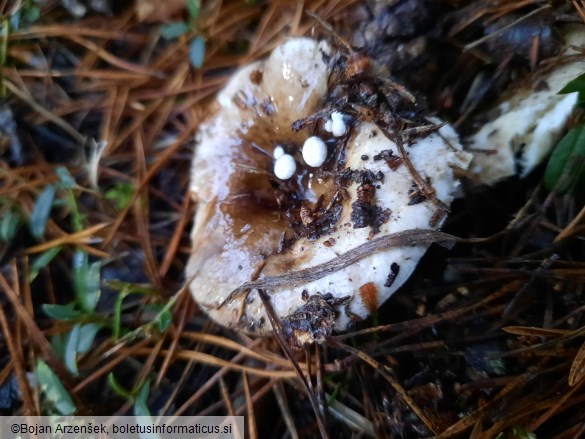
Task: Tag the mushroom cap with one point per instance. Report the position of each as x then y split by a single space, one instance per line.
338 126
278 152
249 225
314 151
285 166
530 121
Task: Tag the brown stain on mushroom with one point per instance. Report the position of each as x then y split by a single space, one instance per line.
256 76
255 209
369 294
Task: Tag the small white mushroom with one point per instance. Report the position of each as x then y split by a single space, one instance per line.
314 151
244 224
338 126
285 167
530 121
278 152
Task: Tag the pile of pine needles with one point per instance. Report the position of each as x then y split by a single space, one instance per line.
97 123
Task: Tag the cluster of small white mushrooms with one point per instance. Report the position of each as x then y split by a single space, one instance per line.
314 154
314 149
283 212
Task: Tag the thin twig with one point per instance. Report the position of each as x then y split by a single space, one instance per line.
407 238
277 327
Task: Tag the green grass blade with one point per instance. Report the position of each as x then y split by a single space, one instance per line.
70 356
61 312
86 281
9 224
42 261
117 387
41 212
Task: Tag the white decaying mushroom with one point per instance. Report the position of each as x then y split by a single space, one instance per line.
530 122
252 225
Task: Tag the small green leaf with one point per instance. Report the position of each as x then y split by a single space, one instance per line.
93 286
15 20
86 281
87 336
77 218
117 387
565 169
54 391
32 14
143 392
117 317
120 195
66 180
577 84
78 341
58 344
174 30
4 34
141 411
42 261
197 52
79 263
164 320
9 224
581 99
41 212
70 356
194 8
61 312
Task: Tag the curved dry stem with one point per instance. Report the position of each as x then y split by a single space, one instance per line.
405 238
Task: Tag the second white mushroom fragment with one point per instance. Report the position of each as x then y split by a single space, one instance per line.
520 132
344 188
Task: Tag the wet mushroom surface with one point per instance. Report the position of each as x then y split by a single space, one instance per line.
388 168
521 130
